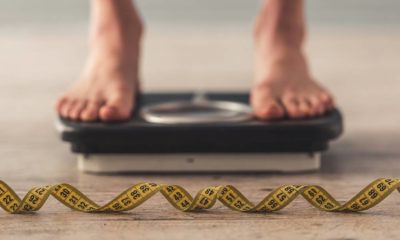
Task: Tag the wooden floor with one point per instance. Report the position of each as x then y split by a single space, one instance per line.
361 69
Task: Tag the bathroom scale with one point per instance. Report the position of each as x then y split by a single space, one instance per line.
207 132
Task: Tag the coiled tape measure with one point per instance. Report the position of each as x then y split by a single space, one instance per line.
232 198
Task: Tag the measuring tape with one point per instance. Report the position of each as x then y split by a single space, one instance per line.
281 197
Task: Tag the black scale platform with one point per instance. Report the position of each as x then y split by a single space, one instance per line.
138 136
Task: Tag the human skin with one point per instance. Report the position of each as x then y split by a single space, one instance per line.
283 85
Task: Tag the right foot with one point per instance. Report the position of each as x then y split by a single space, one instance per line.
108 85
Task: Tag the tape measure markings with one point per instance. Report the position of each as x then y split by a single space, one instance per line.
205 198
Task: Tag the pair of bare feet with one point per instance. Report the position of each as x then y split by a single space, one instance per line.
283 85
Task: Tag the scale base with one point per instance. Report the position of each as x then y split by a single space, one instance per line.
199 162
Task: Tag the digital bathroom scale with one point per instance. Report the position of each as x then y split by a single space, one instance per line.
183 132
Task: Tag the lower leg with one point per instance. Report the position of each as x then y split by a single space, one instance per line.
109 82
283 84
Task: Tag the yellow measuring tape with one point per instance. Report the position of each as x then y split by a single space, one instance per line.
71 197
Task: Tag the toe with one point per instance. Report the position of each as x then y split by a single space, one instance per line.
292 107
265 105
113 113
269 110
305 108
110 113
76 110
316 105
313 111
91 111
65 108
59 104
116 109
326 100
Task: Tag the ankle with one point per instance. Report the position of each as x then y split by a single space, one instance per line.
280 23
278 52
277 37
125 29
275 43
133 25
115 17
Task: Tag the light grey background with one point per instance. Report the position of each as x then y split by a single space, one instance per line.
339 13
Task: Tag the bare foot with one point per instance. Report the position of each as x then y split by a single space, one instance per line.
108 85
285 88
283 85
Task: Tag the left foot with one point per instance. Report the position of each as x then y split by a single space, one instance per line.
283 84
285 88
